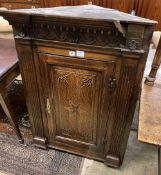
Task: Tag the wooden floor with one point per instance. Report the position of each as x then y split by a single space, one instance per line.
150 109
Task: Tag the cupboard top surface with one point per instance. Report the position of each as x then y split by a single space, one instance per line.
86 12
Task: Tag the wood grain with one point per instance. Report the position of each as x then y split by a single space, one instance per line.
150 9
29 79
22 4
122 5
150 110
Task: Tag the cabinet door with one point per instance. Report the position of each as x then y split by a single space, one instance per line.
77 95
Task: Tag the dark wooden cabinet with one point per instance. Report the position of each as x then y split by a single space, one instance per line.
82 68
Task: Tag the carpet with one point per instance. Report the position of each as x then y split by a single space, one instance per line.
27 160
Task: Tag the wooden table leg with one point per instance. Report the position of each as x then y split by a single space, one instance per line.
150 79
6 105
159 161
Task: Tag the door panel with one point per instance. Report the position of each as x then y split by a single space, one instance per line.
79 96
76 103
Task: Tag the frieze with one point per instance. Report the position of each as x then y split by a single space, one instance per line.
70 33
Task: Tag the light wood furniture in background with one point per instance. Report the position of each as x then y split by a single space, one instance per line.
82 68
150 111
9 70
150 80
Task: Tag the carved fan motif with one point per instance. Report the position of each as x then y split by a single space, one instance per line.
62 77
87 81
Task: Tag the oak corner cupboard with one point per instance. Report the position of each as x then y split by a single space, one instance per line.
82 68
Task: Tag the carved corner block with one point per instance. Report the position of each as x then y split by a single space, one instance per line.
135 35
40 142
112 161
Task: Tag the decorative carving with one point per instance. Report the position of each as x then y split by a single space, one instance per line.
76 102
89 35
74 109
133 44
62 77
21 30
87 81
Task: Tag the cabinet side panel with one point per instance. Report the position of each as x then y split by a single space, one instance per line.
120 113
135 97
27 69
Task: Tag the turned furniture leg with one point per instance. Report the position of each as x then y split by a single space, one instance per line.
5 103
155 66
159 161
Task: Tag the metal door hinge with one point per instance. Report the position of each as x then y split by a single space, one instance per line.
112 84
48 105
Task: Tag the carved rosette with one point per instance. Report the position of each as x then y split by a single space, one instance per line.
133 44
